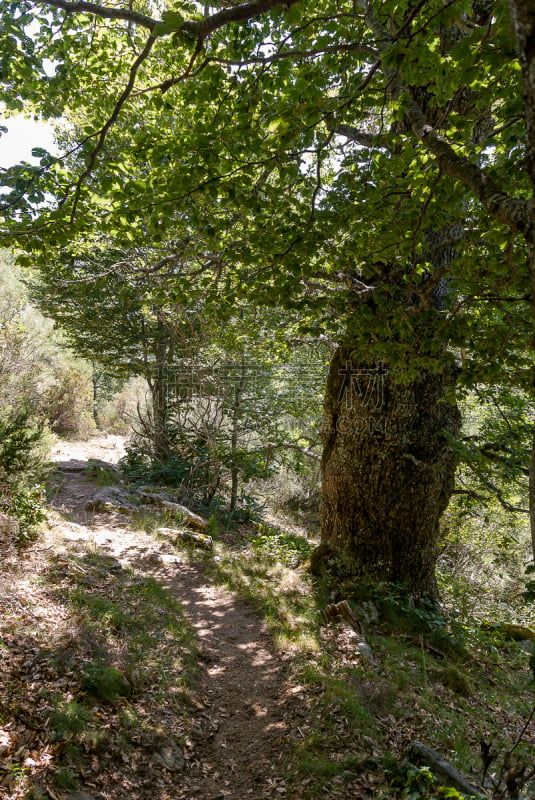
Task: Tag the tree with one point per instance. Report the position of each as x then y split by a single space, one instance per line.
250 106
218 404
139 329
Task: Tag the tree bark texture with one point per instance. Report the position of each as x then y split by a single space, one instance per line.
523 15
387 471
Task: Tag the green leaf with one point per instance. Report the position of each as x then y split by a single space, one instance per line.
171 21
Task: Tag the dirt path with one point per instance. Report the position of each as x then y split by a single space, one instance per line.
242 701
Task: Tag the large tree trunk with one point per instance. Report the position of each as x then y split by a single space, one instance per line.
523 14
387 470
532 494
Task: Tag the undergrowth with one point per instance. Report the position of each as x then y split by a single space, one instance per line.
451 676
112 663
436 676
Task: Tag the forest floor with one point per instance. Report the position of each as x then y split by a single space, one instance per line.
128 671
234 732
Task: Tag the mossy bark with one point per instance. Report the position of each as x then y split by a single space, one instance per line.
387 472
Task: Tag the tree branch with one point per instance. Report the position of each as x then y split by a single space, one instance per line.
200 29
360 49
523 14
382 141
290 446
494 452
241 13
500 497
85 7
510 211
112 119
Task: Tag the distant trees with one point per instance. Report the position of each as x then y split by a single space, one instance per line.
223 396
138 330
26 376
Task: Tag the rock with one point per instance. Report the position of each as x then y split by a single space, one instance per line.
35 793
509 630
170 756
188 537
518 633
111 498
364 649
80 794
190 518
104 465
74 465
168 533
171 558
153 494
114 565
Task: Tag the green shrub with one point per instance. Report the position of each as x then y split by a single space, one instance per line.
192 473
68 405
288 548
20 494
27 504
419 783
69 717
19 438
105 683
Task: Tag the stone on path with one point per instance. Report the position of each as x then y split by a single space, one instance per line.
197 539
111 498
170 756
191 519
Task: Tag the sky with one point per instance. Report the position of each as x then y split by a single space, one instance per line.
23 135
